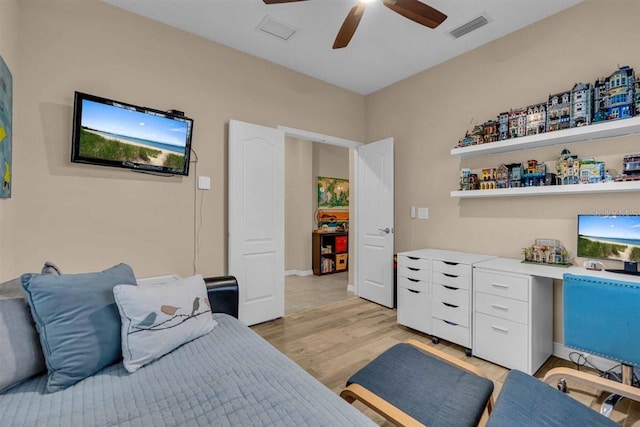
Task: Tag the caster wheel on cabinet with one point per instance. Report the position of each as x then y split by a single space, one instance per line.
562 385
435 340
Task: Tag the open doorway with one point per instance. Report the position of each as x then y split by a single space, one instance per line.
305 161
256 220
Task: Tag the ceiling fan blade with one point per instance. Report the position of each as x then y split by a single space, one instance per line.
417 12
349 26
279 1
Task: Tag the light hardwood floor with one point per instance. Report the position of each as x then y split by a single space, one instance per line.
307 292
333 341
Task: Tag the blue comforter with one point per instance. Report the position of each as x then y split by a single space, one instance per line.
230 377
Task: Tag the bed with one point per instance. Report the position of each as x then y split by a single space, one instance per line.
228 377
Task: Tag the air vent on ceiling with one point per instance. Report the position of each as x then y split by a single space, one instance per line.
271 26
472 25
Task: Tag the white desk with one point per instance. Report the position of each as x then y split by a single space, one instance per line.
551 272
513 310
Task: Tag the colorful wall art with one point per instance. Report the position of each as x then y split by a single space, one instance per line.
6 102
333 192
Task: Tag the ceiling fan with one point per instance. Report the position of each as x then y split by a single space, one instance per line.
414 10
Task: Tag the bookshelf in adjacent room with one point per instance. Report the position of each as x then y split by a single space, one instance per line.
330 252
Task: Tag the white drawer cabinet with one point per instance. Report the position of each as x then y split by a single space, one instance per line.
414 292
437 284
512 318
451 305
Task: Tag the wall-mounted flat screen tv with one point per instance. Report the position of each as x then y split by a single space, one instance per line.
113 133
611 237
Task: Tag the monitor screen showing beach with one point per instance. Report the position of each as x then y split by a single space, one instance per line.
609 237
123 134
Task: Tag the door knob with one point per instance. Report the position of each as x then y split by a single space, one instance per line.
385 230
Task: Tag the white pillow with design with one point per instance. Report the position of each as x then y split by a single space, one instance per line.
157 319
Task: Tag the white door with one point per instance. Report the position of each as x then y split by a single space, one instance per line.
375 222
256 220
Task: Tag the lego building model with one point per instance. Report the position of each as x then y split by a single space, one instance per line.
534 174
536 119
488 181
581 103
559 111
630 168
568 168
591 171
502 176
547 251
515 174
609 98
614 95
464 179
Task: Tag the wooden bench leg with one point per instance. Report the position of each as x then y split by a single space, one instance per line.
388 411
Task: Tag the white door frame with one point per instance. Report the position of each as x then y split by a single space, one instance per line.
353 187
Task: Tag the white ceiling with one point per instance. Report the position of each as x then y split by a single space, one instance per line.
386 47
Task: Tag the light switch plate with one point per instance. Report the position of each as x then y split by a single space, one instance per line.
204 183
413 212
423 213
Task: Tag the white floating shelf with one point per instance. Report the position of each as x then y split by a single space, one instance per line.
603 130
552 190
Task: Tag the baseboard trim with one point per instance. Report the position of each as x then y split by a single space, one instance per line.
562 351
301 273
351 288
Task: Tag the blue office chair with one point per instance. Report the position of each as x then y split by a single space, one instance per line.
601 318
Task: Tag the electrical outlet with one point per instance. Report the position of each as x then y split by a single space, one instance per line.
423 213
204 183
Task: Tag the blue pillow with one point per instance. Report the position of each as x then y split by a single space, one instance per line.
77 320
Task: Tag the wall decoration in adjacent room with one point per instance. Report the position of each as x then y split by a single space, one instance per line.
6 102
333 192
333 204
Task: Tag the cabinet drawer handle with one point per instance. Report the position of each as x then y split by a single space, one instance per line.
500 286
450 305
450 263
451 288
499 329
450 323
413 280
450 275
413 258
500 307
412 291
413 269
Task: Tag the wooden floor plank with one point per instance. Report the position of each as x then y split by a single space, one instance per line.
334 341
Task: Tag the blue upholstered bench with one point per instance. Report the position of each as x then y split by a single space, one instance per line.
414 384
526 401
410 387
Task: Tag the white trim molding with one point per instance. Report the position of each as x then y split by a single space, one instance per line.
300 273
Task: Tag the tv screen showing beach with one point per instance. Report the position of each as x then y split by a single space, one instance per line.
117 134
615 237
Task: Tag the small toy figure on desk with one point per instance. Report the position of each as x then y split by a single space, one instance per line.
547 251
594 265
